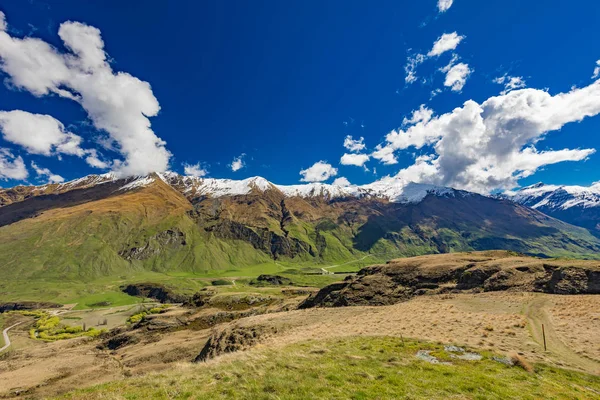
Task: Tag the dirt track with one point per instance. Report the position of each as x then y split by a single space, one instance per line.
537 314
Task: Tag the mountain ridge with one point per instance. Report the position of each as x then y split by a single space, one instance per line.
577 205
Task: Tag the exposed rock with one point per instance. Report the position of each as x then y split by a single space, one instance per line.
26 305
263 239
153 291
200 299
274 280
120 340
401 279
233 339
169 239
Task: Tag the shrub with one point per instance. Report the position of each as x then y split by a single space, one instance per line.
520 362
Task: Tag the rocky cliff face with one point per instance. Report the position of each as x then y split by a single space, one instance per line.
402 279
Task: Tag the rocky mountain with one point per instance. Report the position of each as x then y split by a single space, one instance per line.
576 205
105 226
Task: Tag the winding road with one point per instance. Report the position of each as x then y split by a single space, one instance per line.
6 338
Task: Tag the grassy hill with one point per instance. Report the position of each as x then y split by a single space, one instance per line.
373 368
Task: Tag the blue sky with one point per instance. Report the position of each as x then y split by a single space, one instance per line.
284 83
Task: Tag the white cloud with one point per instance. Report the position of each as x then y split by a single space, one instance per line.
95 161
596 70
39 134
510 83
385 154
117 103
341 181
238 163
411 67
2 21
456 75
354 145
44 135
12 167
354 159
45 172
446 42
482 147
423 114
195 170
444 5
319 172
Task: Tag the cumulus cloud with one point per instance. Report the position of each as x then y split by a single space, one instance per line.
446 42
46 173
319 172
444 5
596 70
341 181
456 75
423 114
116 102
2 21
39 134
238 163
354 159
510 83
354 145
44 135
487 146
195 170
11 166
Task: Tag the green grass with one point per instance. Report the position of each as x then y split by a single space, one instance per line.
351 368
1 329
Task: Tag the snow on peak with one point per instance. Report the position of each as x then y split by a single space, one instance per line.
556 197
393 189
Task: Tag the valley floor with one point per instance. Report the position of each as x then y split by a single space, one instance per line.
499 323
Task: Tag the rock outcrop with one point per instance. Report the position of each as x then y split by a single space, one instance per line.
233 339
153 291
399 280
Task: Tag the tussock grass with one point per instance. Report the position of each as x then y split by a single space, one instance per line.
350 368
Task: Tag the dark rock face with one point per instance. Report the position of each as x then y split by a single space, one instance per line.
26 305
120 340
401 280
274 280
169 239
153 291
233 339
261 239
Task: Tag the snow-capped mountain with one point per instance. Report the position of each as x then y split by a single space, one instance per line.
103 224
578 205
393 189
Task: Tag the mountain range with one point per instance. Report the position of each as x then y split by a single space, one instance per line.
577 205
102 225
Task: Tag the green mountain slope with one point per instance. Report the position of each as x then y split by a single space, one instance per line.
103 231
